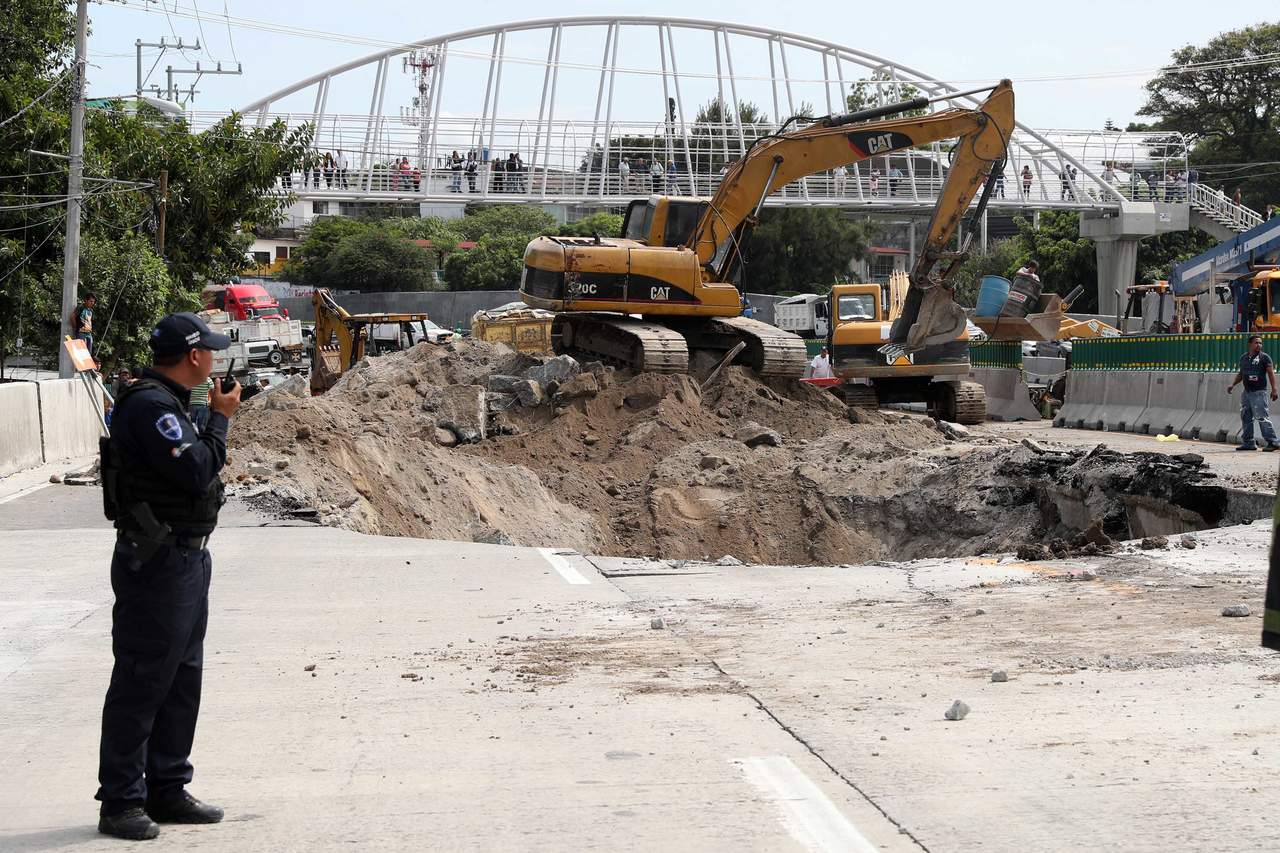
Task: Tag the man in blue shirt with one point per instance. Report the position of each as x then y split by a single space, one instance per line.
1255 372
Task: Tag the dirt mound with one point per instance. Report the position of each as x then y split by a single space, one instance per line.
611 462
365 457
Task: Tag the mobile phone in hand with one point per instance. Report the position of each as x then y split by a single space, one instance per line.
228 381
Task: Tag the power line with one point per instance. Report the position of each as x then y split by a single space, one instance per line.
227 16
30 254
43 95
324 35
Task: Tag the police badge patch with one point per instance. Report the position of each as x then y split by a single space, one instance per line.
168 426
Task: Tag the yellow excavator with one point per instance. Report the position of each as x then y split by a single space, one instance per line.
668 284
341 338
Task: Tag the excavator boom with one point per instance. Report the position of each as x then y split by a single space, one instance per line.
930 314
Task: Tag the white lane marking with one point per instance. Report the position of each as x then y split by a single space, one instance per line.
24 492
810 818
561 565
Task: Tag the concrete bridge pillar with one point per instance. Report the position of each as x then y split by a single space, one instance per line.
1116 235
1117 269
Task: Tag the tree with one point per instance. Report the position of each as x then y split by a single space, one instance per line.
800 248
312 262
496 263
1159 254
524 220
604 224
220 184
1001 257
373 260
134 291
1230 110
880 89
715 132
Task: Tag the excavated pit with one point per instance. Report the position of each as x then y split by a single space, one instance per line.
614 463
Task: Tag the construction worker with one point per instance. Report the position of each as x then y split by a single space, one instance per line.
1256 370
161 488
820 367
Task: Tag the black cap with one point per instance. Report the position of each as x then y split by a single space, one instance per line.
177 333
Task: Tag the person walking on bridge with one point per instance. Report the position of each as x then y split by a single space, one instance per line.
1256 370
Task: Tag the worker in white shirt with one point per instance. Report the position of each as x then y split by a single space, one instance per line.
820 367
1030 270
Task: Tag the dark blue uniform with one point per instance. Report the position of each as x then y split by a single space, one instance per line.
162 603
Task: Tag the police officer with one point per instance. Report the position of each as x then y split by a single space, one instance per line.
161 487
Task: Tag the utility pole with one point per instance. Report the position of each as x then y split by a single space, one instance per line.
139 44
75 182
164 205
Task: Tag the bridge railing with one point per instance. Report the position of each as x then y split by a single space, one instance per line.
1216 205
583 160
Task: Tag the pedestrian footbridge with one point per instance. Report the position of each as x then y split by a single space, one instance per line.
588 112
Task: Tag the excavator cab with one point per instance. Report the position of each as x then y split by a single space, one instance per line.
663 220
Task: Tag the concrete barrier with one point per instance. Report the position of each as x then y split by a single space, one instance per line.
20 445
1172 402
1043 370
1008 398
1086 397
1217 416
1126 398
68 418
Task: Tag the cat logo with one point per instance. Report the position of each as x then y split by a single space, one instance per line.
883 142
656 293
900 361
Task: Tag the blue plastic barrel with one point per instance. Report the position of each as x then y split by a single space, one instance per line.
991 296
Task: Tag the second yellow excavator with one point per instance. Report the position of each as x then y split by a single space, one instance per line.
668 284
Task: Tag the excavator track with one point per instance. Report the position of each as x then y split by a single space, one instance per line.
961 402
622 341
770 351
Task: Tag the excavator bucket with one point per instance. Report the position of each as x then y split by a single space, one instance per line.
1044 326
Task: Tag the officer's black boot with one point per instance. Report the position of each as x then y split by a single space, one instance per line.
183 808
133 824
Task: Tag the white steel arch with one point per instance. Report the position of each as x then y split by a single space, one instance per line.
572 151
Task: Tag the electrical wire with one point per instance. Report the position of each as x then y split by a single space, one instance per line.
200 23
30 254
57 82
324 35
227 16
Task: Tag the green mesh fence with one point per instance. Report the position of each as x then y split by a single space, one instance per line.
1212 352
996 354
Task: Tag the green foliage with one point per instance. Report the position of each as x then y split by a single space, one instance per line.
524 220
312 262
220 184
877 90
220 180
373 260
714 133
1002 258
800 248
1231 112
604 224
1065 258
1157 255
494 264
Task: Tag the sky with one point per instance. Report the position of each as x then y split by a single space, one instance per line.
947 40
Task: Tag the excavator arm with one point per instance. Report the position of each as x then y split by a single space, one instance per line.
930 314
332 323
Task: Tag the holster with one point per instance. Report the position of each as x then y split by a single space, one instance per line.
144 543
